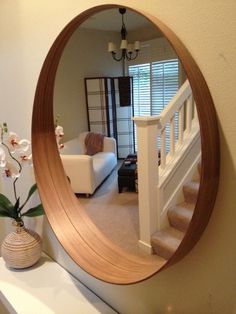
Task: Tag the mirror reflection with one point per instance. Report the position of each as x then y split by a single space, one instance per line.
138 183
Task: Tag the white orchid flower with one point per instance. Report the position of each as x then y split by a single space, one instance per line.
15 144
25 160
10 171
13 141
24 145
60 146
2 157
59 132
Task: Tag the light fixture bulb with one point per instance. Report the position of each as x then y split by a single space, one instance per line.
130 47
137 45
123 44
111 47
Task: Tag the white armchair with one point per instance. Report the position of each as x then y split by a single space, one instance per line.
85 172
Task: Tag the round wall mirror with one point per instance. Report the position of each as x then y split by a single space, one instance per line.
63 89
90 99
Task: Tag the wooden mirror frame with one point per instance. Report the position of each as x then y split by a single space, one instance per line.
81 239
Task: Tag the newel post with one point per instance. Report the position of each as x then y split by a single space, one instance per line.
147 128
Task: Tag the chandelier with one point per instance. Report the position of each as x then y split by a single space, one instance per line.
128 51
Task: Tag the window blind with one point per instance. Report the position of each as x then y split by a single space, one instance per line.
154 85
141 89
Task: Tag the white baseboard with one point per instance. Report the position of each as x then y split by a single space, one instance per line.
145 246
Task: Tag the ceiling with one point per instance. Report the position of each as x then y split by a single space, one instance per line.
111 20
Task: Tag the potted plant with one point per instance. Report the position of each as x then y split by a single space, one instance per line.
23 247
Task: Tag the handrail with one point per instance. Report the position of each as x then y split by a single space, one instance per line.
174 112
176 103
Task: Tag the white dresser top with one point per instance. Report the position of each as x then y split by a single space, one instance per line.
45 289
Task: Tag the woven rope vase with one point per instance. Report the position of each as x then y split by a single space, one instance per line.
21 248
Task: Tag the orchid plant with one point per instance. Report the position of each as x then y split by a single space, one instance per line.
14 155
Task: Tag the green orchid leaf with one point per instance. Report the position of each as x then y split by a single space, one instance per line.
5 203
4 213
7 206
31 191
34 211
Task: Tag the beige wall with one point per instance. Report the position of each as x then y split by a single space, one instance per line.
205 281
144 33
154 50
84 56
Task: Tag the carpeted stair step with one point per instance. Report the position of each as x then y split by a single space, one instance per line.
190 191
180 215
165 242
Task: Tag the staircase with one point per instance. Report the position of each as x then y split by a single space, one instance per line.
165 242
167 181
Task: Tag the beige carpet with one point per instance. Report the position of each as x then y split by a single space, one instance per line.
116 214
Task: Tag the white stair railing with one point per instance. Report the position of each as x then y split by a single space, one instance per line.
155 184
174 112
